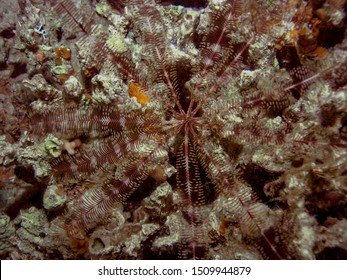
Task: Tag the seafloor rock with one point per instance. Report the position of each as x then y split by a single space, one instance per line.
173 129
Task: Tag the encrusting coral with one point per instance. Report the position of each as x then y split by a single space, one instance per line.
174 129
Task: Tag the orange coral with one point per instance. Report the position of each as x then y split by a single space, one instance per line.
65 76
62 52
80 246
137 91
305 34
